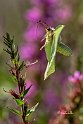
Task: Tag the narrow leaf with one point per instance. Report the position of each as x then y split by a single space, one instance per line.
7 51
18 57
32 109
25 91
21 66
15 54
9 38
7 44
19 102
15 111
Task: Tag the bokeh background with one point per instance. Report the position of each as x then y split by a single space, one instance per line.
19 18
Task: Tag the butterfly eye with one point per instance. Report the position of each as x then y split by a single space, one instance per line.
49 29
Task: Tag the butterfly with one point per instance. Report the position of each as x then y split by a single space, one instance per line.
53 44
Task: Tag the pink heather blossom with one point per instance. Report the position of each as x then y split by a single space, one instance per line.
33 34
50 99
33 14
62 110
28 50
76 78
48 2
64 14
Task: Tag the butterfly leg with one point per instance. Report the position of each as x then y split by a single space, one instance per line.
42 46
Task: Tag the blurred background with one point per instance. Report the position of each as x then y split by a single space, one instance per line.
19 18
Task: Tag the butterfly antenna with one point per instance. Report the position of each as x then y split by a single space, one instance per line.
43 23
36 29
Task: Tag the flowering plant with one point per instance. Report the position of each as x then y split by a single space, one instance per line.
72 111
16 68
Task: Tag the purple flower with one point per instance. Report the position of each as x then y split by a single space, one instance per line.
34 14
76 78
64 14
41 2
32 34
50 99
27 51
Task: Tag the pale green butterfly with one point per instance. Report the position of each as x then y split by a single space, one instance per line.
52 45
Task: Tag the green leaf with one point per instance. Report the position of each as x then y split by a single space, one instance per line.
7 39
25 91
7 44
18 58
64 49
8 36
14 111
52 50
19 102
21 66
32 109
81 110
7 51
16 52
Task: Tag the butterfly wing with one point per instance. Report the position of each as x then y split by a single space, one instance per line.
48 45
64 49
51 63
